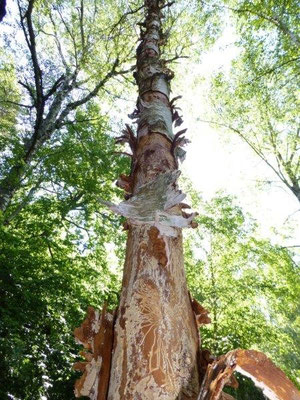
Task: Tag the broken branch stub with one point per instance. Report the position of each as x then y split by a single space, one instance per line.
152 203
96 335
253 364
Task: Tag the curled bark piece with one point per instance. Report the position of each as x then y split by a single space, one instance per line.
96 335
175 114
175 99
128 137
125 182
177 144
253 364
201 314
165 221
184 205
151 203
265 375
177 118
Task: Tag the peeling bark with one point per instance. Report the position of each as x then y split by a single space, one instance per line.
96 335
253 364
201 314
154 204
156 346
156 340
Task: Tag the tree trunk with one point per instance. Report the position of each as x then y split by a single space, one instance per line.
156 345
156 340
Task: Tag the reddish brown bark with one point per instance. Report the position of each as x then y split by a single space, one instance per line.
156 338
254 364
156 351
156 342
96 335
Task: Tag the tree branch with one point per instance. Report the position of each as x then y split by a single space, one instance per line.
131 12
30 91
253 147
23 203
55 86
38 78
16 104
93 93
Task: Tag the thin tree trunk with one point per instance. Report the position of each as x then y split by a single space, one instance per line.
156 345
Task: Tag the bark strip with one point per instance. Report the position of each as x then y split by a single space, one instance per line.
96 335
253 364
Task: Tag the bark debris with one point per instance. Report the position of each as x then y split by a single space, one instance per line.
253 364
96 335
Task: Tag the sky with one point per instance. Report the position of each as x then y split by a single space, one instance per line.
217 160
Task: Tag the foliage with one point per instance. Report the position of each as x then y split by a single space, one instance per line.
258 100
54 232
249 285
9 91
54 258
66 57
60 250
46 286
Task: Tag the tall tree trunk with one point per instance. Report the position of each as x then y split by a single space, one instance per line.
156 339
155 354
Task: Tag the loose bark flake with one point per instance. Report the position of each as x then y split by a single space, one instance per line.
201 314
152 204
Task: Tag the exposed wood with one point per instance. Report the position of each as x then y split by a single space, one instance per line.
156 340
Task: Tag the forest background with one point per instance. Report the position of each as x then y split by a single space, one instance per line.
66 88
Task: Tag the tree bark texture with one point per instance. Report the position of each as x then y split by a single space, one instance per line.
156 342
